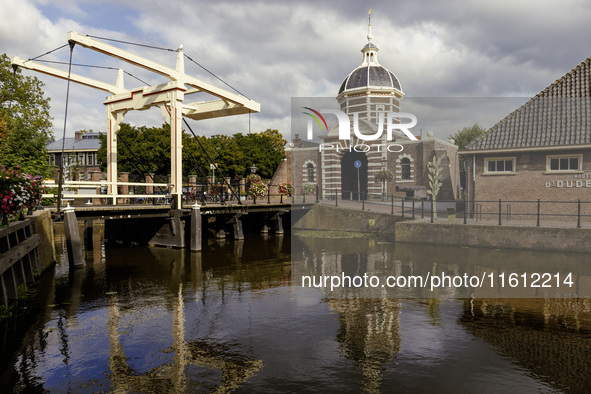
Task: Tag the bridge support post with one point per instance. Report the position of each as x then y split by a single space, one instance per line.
279 221
236 222
219 232
88 233
172 233
73 244
265 228
196 228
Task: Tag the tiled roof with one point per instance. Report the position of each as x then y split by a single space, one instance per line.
370 76
559 115
72 144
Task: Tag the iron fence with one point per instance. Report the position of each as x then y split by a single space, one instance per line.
529 212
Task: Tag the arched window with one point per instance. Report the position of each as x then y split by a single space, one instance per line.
310 169
405 165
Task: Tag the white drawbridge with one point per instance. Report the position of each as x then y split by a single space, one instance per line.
169 97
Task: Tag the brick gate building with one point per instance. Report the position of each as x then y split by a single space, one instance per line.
370 89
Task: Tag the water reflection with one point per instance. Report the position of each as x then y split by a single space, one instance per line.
230 318
368 335
362 267
541 335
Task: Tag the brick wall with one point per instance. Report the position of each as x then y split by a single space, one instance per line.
327 165
530 182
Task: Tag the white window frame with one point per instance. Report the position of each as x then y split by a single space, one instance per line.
305 172
398 177
513 159
579 156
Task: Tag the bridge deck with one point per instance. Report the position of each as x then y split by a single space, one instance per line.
151 211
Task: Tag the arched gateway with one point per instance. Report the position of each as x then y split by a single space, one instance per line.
354 176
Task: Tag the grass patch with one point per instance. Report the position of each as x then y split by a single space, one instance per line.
330 234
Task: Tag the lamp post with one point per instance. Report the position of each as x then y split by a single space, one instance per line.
384 180
253 170
212 166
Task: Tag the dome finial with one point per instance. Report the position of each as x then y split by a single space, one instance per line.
369 36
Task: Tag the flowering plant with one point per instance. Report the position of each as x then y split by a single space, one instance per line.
285 189
308 188
258 189
253 178
384 176
19 191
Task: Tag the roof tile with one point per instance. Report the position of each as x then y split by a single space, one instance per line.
558 115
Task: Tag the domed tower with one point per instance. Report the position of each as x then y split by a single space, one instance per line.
371 87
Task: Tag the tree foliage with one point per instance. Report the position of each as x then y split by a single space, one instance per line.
139 150
233 154
265 150
462 138
25 123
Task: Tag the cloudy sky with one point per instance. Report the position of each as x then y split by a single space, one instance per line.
272 51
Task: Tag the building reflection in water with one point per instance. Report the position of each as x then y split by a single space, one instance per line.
549 337
369 335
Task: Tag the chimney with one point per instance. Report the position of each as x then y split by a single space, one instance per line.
77 135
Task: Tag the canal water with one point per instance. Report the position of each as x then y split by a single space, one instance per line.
234 319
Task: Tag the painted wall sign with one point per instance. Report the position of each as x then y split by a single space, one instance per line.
569 184
578 183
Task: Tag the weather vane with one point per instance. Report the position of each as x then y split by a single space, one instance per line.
369 37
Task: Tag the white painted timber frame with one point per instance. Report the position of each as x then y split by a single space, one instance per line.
169 97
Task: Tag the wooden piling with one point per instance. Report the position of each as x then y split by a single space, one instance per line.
195 233
73 244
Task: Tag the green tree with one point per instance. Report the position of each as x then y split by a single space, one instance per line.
25 123
228 155
233 154
463 138
139 149
265 150
195 161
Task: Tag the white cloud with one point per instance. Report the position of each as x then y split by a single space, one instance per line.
272 51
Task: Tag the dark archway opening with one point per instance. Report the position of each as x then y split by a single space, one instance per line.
354 180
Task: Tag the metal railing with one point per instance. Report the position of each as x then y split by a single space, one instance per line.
528 212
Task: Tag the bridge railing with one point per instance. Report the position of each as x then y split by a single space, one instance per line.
98 190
